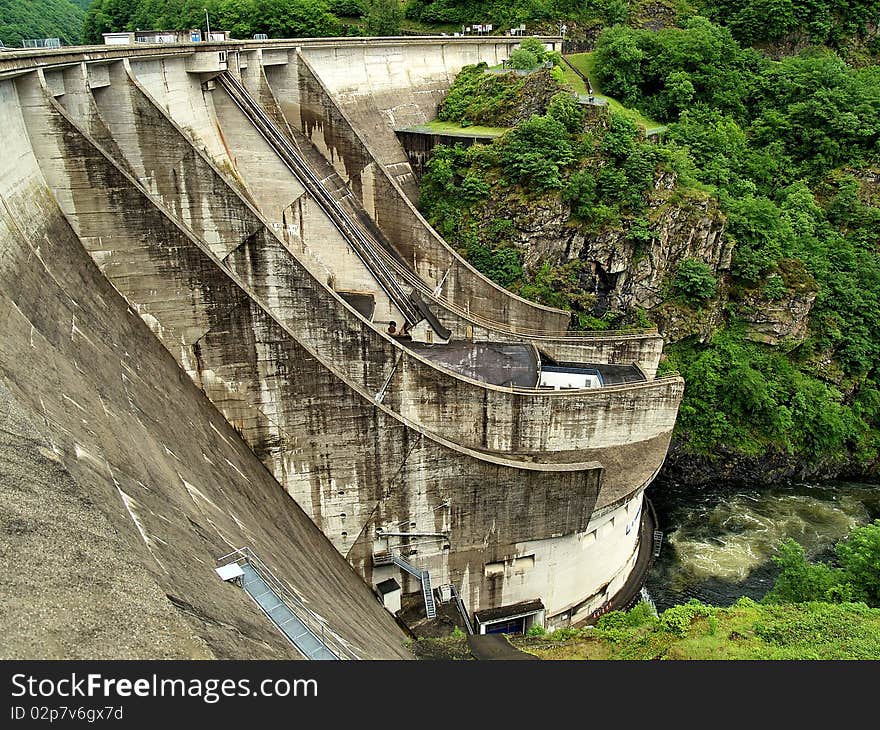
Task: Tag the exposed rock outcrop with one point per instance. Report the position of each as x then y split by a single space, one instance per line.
773 322
733 467
625 273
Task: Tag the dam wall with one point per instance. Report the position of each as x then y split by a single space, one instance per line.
566 426
158 181
122 483
350 462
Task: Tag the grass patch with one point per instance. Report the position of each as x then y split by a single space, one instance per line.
746 630
455 129
585 63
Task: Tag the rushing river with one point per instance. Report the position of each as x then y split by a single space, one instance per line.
718 544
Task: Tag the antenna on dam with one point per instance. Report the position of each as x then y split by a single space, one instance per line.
208 24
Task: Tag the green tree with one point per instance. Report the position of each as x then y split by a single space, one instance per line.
799 580
293 18
695 280
383 17
534 152
859 557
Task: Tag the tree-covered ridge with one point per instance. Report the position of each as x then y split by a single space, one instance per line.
478 197
509 13
791 149
829 22
788 151
26 19
243 18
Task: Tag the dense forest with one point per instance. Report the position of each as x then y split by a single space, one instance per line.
244 18
780 149
26 19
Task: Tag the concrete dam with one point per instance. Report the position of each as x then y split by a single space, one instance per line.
202 248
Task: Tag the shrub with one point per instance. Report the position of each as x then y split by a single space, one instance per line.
695 280
800 581
565 109
523 60
580 194
775 288
677 620
535 47
859 556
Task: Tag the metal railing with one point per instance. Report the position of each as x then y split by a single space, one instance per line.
462 609
414 280
360 244
309 618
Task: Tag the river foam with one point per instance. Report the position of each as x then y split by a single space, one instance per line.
719 544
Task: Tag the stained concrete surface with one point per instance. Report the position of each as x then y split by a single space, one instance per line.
70 586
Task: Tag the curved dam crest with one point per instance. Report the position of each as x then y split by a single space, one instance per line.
185 233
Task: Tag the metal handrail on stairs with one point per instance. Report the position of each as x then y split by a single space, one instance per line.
424 576
363 248
310 619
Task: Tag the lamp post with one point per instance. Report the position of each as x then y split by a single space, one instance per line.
208 24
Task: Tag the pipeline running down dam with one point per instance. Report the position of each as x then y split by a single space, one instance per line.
202 248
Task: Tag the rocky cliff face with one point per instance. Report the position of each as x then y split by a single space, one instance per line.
773 322
622 271
625 272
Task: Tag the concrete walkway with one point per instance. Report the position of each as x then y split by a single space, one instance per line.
495 646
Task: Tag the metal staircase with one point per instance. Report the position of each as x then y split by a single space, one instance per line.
423 575
366 247
428 595
462 609
658 543
301 626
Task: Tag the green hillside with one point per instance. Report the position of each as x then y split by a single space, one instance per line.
746 630
22 19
